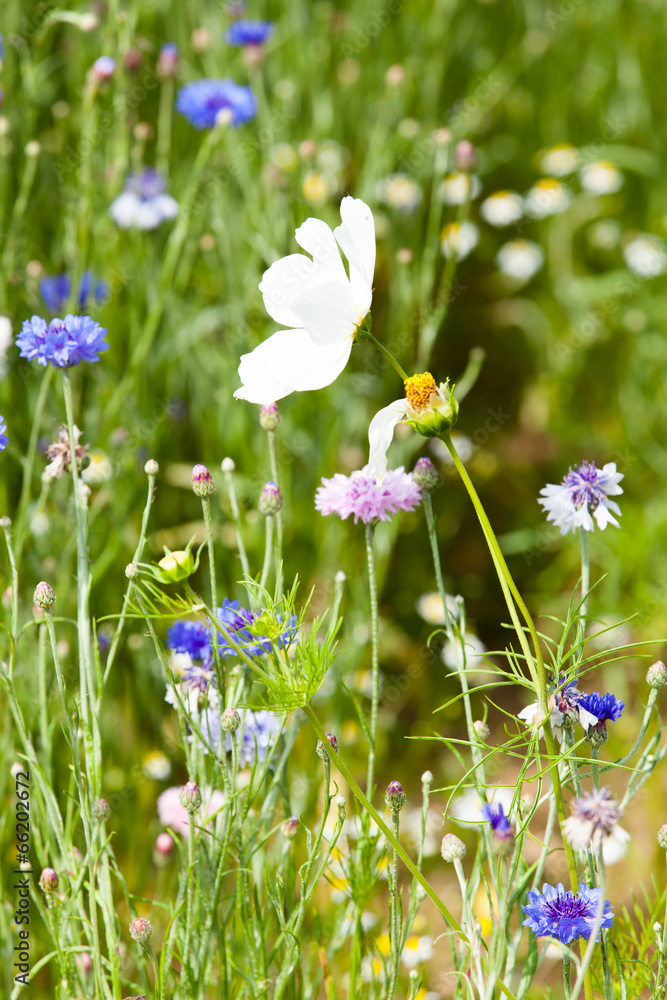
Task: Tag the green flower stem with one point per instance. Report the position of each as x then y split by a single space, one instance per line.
206 508
468 922
585 587
136 558
375 658
7 528
535 666
652 698
395 912
584 976
170 262
20 205
595 766
236 516
163 142
567 976
190 898
383 350
29 460
361 798
660 987
273 457
268 549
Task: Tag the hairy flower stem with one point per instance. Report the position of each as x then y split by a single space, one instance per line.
7 529
236 517
584 976
273 457
268 549
219 672
361 798
383 350
136 558
395 912
585 587
190 900
660 987
536 664
163 140
375 657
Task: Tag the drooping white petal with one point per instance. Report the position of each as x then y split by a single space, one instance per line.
317 239
356 238
587 719
380 433
327 312
288 362
285 279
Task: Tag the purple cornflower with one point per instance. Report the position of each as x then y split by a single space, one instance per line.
605 708
361 495
560 914
62 342
144 203
4 440
57 288
191 638
585 491
594 817
167 64
239 624
501 829
202 101
249 33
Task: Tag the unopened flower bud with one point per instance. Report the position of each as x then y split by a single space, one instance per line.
176 566
451 848
5 523
227 465
395 796
133 59
201 39
151 468
427 778
103 68
321 752
48 880
190 797
662 836
167 63
465 155
271 499
202 481
340 577
656 675
269 417
424 474
230 720
131 571
339 802
597 735
44 596
101 809
164 844
482 730
290 826
141 930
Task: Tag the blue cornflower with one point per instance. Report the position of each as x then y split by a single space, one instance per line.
249 32
62 342
57 288
501 830
605 707
203 100
4 440
238 623
561 914
191 638
583 495
144 203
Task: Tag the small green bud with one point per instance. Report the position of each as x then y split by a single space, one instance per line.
395 796
202 481
48 880
191 797
44 596
141 930
451 848
321 752
656 675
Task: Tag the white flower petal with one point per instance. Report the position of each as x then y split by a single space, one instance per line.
285 279
327 312
124 210
356 238
587 719
288 362
380 433
166 206
317 239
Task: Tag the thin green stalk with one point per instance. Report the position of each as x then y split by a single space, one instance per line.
361 798
7 528
383 350
273 457
236 515
29 460
163 141
394 912
190 897
268 549
27 179
206 508
584 977
660 987
585 587
375 658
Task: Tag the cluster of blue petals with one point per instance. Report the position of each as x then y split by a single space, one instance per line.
62 342
237 623
57 288
4 440
250 32
495 814
202 100
562 915
191 638
605 707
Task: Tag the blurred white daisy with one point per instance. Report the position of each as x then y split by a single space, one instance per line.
646 255
601 177
400 191
460 187
429 607
474 650
100 469
547 197
458 239
416 950
520 259
411 827
604 234
560 160
502 208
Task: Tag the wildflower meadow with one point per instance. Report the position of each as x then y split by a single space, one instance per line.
333 500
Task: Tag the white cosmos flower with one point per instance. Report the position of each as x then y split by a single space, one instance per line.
319 304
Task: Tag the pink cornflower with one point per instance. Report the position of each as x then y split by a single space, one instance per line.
361 495
175 816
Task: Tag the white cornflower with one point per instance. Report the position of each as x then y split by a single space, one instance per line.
401 192
502 208
547 197
601 177
318 302
564 707
426 407
144 203
584 491
458 239
460 187
646 255
559 160
520 259
594 817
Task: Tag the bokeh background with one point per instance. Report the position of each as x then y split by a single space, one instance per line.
369 99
